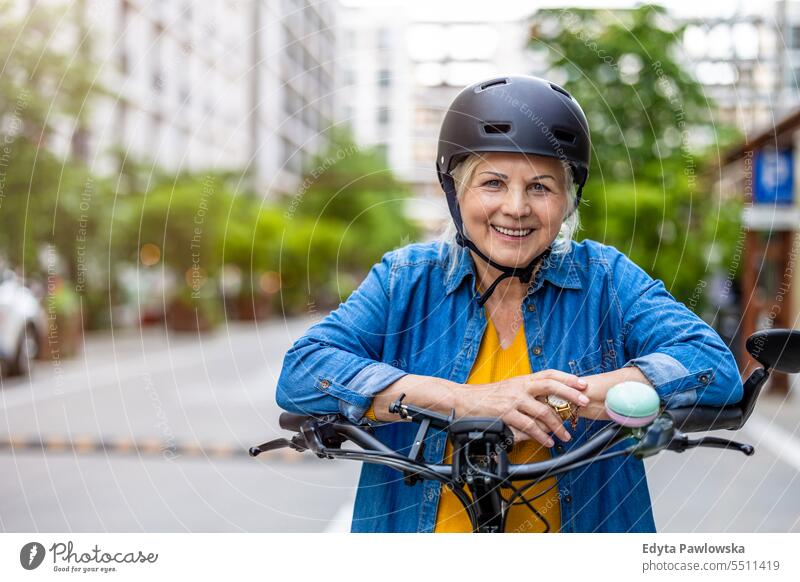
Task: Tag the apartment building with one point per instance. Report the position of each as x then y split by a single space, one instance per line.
223 84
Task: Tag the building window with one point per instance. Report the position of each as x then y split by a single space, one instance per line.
123 60
158 81
123 29
384 78
384 38
383 116
291 156
795 40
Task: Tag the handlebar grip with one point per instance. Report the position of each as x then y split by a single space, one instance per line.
702 418
289 421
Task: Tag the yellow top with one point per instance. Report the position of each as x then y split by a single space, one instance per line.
495 364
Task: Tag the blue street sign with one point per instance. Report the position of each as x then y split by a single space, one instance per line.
774 177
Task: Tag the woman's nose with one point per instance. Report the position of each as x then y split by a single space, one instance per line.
516 203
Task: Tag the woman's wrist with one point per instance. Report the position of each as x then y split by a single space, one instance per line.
436 394
600 384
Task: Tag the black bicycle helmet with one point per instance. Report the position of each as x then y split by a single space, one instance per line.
518 114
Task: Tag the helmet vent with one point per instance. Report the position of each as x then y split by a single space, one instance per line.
564 136
492 83
497 127
561 90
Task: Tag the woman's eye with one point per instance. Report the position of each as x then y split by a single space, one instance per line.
538 187
492 183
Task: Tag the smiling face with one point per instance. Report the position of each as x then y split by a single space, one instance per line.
513 205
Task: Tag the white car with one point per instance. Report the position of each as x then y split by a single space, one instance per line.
22 325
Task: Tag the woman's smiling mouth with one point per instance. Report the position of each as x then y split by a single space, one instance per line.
511 233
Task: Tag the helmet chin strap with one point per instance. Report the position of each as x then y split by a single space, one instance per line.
524 274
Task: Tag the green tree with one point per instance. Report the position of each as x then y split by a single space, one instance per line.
653 130
648 115
48 76
46 88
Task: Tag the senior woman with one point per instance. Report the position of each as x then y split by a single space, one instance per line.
509 319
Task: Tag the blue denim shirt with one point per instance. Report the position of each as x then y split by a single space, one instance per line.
591 310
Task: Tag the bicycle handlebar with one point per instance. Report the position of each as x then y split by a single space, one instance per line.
490 439
293 422
705 418
657 436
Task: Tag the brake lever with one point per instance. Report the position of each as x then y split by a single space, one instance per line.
296 444
316 434
682 442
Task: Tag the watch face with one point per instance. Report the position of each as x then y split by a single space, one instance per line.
553 400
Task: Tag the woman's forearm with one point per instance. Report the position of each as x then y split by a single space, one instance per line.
600 384
429 392
443 395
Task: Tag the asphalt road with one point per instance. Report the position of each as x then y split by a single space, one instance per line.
176 414
148 431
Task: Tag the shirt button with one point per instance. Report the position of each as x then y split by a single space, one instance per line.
325 383
568 499
703 379
537 350
531 307
560 448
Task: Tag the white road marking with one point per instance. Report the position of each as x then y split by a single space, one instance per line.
342 518
768 434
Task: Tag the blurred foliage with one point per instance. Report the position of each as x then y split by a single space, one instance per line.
64 301
355 188
184 218
304 252
195 310
649 117
348 211
48 75
653 133
48 198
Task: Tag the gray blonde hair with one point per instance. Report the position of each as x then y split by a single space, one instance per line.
462 176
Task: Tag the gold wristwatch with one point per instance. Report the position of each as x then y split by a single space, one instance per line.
565 409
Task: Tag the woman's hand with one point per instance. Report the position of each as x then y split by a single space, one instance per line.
519 402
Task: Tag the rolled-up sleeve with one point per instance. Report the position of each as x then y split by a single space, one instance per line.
336 366
682 356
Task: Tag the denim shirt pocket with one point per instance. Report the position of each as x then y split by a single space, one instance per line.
587 365
602 359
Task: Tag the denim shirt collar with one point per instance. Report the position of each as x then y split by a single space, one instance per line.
558 269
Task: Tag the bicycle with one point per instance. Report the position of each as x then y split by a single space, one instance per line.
480 445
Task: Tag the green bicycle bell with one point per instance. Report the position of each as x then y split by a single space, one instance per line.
632 404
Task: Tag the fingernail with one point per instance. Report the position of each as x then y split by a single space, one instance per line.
550 442
583 382
583 399
567 437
